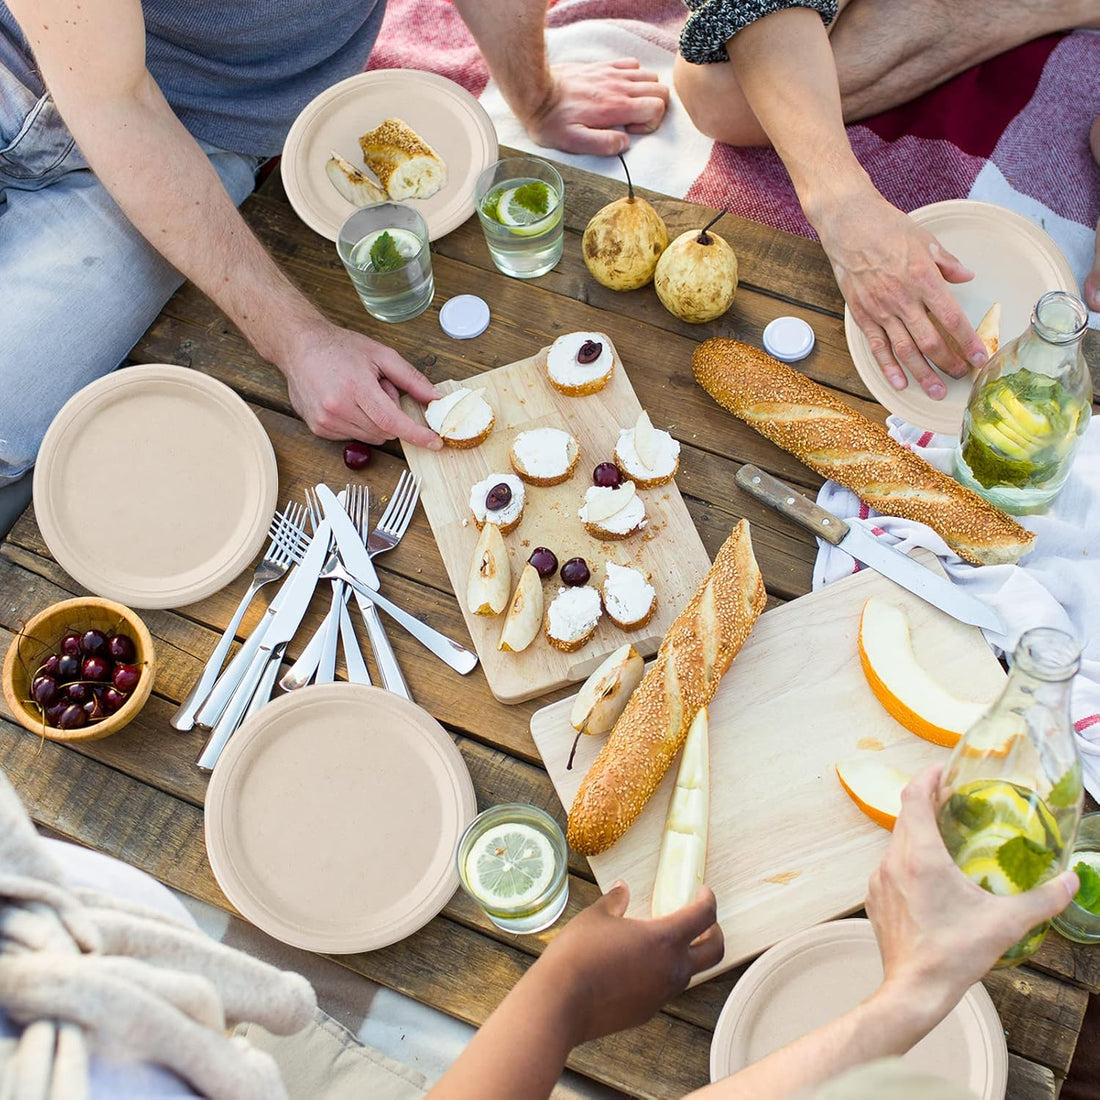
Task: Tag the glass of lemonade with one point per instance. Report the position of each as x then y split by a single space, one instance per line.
520 202
1080 920
385 250
512 861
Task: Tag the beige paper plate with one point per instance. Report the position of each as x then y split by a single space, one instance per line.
817 975
155 486
444 114
1014 263
333 816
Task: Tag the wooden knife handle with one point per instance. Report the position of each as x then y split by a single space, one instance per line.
791 503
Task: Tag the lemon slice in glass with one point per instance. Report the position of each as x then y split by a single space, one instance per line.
510 866
524 207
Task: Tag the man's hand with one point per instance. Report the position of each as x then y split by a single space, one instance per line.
939 932
588 100
617 971
345 385
894 276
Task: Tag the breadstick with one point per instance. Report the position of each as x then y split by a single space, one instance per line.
699 647
838 442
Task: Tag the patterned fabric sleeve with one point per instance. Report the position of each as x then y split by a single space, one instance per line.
713 23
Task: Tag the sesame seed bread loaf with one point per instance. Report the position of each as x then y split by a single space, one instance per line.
698 648
405 164
840 443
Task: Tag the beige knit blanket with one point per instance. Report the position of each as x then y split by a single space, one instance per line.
82 972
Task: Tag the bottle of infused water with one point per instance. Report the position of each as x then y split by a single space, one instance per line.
1028 409
1010 797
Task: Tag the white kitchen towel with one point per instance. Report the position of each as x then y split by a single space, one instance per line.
1057 584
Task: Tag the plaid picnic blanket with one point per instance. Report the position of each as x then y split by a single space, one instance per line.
1013 130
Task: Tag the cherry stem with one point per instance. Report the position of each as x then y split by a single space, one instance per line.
703 238
572 753
629 185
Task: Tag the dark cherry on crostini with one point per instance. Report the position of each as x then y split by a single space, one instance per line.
499 496
544 560
575 572
589 352
356 455
607 476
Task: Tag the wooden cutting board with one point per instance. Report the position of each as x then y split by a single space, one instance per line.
788 848
668 549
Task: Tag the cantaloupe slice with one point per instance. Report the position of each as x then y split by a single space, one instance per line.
902 685
874 787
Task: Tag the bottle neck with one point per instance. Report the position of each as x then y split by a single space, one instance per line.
1025 690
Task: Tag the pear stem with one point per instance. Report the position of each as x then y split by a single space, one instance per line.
703 238
629 185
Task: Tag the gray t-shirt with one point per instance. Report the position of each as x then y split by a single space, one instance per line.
237 72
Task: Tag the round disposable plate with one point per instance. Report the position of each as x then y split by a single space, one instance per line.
817 975
333 816
155 486
444 114
1014 263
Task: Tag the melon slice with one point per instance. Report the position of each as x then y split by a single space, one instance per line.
874 787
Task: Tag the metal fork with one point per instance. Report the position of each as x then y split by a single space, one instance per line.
276 561
395 520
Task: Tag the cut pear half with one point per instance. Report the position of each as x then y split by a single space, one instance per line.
603 503
604 695
490 581
647 442
524 618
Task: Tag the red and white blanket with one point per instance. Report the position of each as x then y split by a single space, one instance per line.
1012 131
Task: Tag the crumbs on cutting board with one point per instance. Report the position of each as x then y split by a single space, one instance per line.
783 877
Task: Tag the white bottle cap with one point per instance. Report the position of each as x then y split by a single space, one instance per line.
788 339
464 316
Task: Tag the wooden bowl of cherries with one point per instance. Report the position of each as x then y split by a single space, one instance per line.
80 670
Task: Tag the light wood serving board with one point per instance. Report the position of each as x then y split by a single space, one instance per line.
787 848
668 549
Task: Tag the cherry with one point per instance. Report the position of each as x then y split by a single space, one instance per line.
94 643
356 455
70 645
96 668
499 496
589 352
575 572
72 718
68 667
112 699
44 690
49 666
544 560
54 711
126 678
93 709
79 693
607 475
121 648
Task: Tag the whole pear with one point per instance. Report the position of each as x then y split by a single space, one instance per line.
696 276
624 240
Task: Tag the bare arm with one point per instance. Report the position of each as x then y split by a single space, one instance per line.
574 107
893 274
92 57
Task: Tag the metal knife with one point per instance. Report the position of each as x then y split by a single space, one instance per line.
393 679
853 539
295 593
357 564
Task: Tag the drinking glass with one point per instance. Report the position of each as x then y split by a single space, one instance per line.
520 202
1074 922
393 277
513 862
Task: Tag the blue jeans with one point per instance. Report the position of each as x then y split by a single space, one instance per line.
78 284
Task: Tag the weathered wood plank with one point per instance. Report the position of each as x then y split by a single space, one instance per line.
1029 1081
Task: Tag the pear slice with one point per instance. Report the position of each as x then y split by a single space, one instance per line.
352 184
490 581
465 418
524 618
605 503
989 329
604 695
647 443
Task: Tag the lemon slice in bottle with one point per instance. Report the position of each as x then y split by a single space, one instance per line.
510 866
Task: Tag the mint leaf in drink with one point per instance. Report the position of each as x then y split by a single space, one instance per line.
1068 789
384 254
1088 895
533 197
1024 861
970 814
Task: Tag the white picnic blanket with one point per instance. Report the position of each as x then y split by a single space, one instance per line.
1057 584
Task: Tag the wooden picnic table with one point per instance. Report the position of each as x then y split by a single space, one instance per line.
137 795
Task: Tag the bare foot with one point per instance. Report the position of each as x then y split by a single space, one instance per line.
1092 283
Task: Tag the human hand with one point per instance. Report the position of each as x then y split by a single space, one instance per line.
587 100
345 385
937 931
894 276
618 971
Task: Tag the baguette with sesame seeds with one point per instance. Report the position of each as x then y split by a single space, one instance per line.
405 164
698 648
839 442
